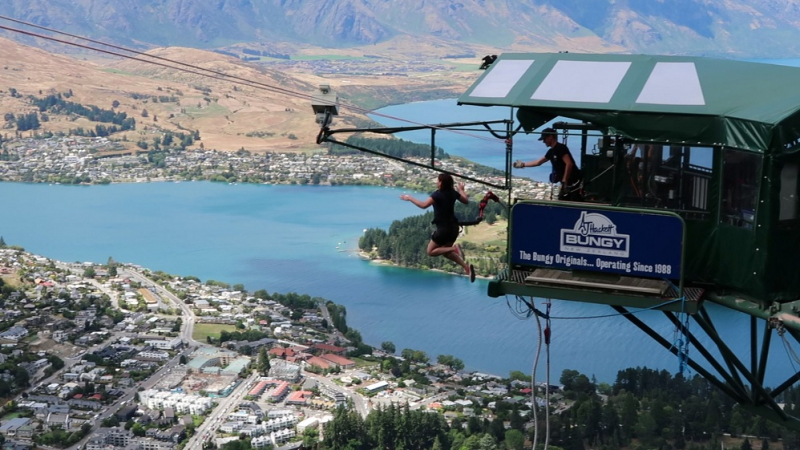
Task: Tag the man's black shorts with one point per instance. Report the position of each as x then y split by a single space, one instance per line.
445 235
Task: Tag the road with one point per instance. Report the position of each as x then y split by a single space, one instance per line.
186 335
188 315
336 333
128 397
358 401
207 429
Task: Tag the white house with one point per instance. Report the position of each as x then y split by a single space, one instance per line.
14 334
164 344
376 387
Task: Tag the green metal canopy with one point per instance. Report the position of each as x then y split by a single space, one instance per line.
692 100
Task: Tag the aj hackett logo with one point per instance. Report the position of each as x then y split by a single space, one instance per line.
595 234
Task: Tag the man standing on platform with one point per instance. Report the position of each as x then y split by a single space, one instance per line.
565 171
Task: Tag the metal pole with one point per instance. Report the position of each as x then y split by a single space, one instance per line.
671 348
762 368
615 161
785 385
730 357
433 147
707 355
509 166
414 163
509 155
708 326
754 348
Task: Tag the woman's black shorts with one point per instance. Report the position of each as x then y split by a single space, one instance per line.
445 234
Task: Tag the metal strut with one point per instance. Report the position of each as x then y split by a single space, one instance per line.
754 397
325 134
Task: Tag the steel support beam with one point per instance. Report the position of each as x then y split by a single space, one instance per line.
732 382
761 402
732 359
670 348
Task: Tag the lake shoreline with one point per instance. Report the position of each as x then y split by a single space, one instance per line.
385 262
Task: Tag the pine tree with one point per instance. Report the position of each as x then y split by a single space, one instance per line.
2 242
263 361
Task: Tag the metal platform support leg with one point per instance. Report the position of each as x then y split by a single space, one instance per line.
752 396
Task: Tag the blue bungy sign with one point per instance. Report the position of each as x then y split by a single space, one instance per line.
574 237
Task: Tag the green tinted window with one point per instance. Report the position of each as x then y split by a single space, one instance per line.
740 177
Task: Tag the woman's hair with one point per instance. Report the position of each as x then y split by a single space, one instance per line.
447 181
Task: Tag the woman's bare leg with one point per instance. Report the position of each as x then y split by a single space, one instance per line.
449 252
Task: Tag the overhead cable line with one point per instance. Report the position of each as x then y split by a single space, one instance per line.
195 68
211 73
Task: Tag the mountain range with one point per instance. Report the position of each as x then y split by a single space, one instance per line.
371 52
740 28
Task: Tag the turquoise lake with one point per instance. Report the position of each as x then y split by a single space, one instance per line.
302 239
285 238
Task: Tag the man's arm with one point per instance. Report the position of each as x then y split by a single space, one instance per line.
519 164
569 164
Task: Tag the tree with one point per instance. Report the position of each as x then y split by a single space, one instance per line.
111 421
346 430
310 438
474 425
2 242
609 421
414 355
138 430
27 122
183 359
56 363
237 445
451 362
145 113
487 442
115 104
263 361
388 347
89 272
629 415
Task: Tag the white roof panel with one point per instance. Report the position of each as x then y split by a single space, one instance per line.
673 83
503 77
582 81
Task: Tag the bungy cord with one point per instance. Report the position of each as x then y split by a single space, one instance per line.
534 405
547 389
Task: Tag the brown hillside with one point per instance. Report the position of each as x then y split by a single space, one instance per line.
229 114
227 110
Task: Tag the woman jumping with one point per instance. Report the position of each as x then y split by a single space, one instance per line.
444 217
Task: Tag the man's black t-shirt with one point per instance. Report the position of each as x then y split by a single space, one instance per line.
556 156
444 207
